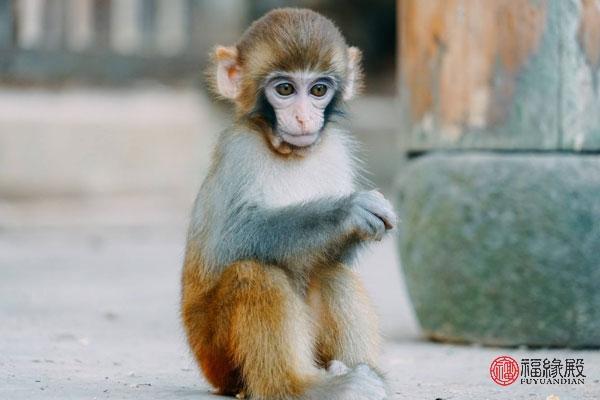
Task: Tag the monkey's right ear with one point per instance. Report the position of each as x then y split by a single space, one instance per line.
228 72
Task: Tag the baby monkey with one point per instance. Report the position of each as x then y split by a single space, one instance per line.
270 304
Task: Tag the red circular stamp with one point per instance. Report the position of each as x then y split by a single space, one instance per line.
504 370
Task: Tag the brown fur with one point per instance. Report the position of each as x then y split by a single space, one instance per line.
236 326
236 329
347 326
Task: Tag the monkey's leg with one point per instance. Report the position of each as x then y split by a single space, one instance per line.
348 328
205 323
261 328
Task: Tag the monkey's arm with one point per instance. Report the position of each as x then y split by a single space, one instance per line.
319 230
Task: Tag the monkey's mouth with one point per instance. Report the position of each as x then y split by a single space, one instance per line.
300 140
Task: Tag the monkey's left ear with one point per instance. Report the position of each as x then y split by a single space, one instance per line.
354 80
228 72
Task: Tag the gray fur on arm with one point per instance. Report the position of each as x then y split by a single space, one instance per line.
289 236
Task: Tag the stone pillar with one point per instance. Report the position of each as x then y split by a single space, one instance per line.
500 199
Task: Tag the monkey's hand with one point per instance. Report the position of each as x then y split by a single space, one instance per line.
370 215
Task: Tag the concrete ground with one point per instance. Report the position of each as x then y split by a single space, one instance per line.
89 310
95 188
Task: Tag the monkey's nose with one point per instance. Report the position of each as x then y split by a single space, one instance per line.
302 122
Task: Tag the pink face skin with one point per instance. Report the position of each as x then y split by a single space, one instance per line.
299 100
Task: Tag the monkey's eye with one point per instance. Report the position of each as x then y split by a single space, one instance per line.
285 89
318 90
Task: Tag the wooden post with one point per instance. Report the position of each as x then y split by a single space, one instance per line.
6 24
148 24
54 25
503 74
102 24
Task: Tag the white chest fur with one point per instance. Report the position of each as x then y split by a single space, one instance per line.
325 172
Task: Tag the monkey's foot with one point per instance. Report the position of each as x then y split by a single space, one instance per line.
337 367
362 383
358 383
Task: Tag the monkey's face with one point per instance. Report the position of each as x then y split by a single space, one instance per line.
299 101
287 74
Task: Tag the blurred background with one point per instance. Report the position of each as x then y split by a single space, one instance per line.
108 98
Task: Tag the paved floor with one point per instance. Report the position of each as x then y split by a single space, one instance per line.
88 310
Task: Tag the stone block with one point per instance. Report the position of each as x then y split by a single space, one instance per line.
503 249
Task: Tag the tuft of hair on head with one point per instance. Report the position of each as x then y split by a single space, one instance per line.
285 39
